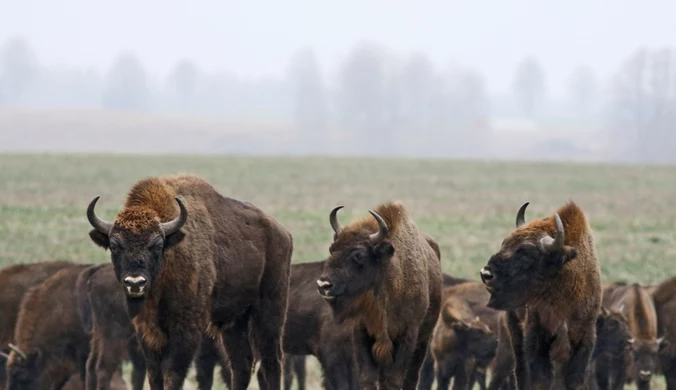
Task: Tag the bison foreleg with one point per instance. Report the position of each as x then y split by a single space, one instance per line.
538 357
153 365
138 363
427 372
368 371
408 358
520 376
238 347
416 363
576 369
178 356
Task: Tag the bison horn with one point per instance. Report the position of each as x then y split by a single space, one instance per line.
520 215
554 244
335 225
17 350
171 227
4 355
96 222
605 311
382 233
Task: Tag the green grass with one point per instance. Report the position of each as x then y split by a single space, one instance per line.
468 207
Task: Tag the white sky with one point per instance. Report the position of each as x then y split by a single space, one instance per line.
256 38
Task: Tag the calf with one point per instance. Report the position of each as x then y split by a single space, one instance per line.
638 308
51 344
549 268
191 260
16 280
612 352
383 280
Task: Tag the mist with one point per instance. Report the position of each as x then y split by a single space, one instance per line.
574 81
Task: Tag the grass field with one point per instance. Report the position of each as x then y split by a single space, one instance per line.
468 207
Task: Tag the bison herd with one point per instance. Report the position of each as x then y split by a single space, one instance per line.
198 278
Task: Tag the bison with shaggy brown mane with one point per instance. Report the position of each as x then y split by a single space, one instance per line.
638 308
383 280
50 343
549 267
664 298
190 261
16 280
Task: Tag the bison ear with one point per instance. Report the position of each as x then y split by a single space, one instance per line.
558 259
99 239
384 250
173 239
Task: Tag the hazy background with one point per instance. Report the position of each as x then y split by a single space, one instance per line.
574 80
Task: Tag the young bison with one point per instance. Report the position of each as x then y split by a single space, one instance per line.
51 344
664 297
190 261
548 267
638 308
384 279
16 280
611 355
100 304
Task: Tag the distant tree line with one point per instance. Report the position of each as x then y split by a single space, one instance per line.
375 99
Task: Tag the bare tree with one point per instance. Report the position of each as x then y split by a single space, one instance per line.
311 111
126 84
529 85
18 68
644 105
583 89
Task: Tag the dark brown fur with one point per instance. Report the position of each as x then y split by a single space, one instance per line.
388 292
16 280
311 330
664 298
612 351
561 291
638 308
463 343
101 307
226 269
49 332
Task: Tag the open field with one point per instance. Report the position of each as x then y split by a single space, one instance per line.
468 207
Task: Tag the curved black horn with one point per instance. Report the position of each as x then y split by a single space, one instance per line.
382 232
555 244
171 227
96 222
335 225
17 350
521 215
4 355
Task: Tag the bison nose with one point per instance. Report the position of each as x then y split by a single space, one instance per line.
324 286
486 275
135 284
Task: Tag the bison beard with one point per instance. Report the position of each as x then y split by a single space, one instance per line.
51 344
383 281
549 268
192 260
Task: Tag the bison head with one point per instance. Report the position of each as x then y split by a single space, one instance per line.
480 341
526 263
23 370
137 241
356 262
644 356
613 336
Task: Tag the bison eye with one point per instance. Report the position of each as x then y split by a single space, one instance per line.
358 258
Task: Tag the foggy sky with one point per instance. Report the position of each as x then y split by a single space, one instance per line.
256 38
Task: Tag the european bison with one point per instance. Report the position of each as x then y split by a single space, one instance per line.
638 308
384 279
460 344
664 298
549 267
611 355
16 280
294 364
312 330
50 343
192 261
100 304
